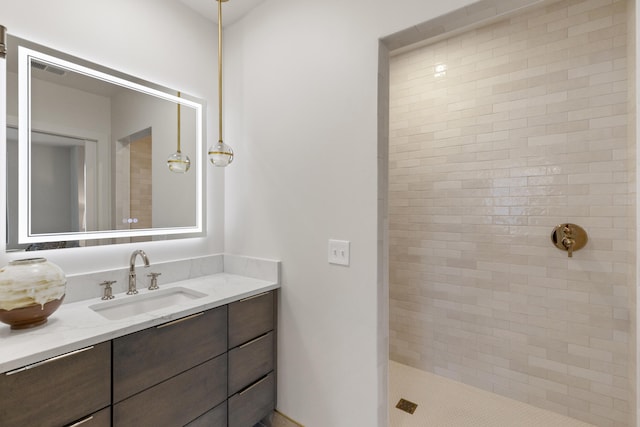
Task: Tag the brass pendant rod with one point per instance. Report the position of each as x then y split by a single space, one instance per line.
179 124
220 70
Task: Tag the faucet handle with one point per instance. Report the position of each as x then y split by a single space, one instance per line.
108 292
154 281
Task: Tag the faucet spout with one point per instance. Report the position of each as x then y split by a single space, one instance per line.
132 269
132 260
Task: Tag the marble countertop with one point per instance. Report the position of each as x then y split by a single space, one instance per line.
75 325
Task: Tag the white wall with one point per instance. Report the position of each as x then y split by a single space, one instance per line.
301 100
157 40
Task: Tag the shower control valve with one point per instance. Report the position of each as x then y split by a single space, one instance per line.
569 237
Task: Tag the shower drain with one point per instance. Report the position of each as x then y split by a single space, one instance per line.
406 406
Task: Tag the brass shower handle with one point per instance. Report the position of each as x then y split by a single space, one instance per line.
569 237
568 244
567 240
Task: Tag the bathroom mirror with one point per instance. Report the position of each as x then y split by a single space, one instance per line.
87 150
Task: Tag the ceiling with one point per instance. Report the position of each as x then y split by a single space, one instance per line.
232 10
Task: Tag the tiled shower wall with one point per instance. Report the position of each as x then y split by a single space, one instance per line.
632 162
632 209
140 184
496 136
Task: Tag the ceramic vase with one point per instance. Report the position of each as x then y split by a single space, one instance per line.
30 291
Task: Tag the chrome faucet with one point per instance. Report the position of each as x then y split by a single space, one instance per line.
132 270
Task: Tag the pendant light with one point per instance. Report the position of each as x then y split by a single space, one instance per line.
178 162
220 154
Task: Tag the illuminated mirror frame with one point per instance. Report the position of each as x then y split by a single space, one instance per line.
25 56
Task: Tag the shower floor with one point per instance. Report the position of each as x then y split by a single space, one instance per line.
446 403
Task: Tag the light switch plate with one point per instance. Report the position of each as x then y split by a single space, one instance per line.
339 252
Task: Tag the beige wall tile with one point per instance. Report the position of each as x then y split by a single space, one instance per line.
525 129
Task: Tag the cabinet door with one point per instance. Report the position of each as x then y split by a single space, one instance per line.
178 400
217 417
253 403
99 419
58 391
250 362
250 318
145 358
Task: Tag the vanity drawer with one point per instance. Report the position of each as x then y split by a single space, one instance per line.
217 417
250 362
250 318
148 357
99 419
253 403
178 400
57 391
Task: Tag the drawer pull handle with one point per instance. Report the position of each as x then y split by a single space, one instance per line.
89 418
253 296
44 362
175 322
253 340
257 383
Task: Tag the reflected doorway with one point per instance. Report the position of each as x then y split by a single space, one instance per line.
134 178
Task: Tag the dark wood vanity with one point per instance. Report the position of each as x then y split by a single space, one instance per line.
214 368
59 391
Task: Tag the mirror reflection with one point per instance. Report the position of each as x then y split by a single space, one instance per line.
61 167
87 151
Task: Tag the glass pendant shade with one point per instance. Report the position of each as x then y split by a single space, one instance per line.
220 154
178 162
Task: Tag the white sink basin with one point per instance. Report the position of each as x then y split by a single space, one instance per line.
143 303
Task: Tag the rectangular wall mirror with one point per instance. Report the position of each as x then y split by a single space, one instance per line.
87 151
